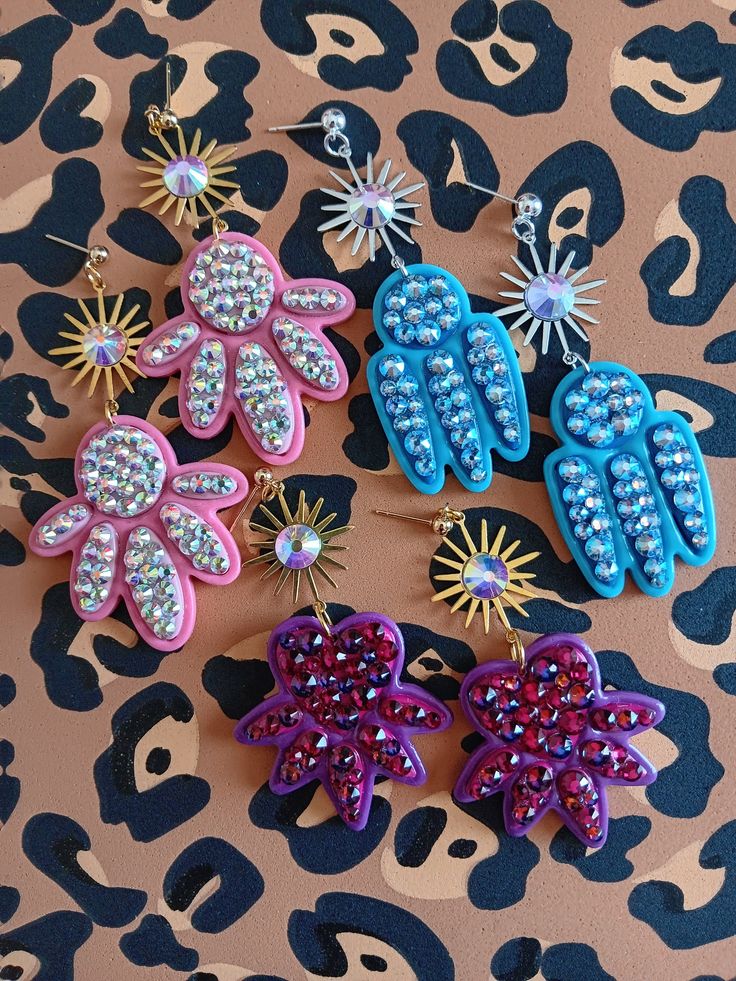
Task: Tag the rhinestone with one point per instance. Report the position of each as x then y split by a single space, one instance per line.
104 345
297 546
485 576
195 538
125 491
185 176
550 296
62 523
243 286
371 206
95 569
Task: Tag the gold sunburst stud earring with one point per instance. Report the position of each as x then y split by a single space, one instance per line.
187 175
105 342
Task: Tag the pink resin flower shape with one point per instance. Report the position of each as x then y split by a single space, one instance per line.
553 739
140 528
251 345
342 716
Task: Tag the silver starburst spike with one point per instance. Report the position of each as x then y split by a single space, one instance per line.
366 207
548 297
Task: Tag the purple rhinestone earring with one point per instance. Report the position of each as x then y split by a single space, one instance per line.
341 715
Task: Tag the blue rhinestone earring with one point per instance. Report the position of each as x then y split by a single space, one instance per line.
628 485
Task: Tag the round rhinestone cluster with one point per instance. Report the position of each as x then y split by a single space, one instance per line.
639 516
453 403
605 407
589 516
490 372
204 484
262 390
306 353
680 479
154 583
195 538
421 310
400 390
311 298
337 678
96 568
231 286
62 523
122 471
170 345
206 383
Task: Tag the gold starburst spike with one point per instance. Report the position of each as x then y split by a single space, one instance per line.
297 544
484 576
187 175
104 343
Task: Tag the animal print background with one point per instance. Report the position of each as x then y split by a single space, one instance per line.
138 839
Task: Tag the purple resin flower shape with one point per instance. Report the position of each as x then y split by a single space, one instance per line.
553 739
140 528
342 716
250 344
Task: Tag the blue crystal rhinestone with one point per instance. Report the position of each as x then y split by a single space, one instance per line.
421 310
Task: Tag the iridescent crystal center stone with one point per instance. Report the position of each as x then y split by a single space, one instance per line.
550 296
104 345
372 206
485 576
185 177
297 546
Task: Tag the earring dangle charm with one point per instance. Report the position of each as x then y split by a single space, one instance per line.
341 715
141 526
553 739
628 486
250 344
187 175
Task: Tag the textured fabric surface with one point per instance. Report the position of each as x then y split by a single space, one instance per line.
138 838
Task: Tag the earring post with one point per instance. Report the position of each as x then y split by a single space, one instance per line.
284 129
168 85
493 194
406 517
63 241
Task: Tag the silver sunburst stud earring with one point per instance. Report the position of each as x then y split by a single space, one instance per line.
365 207
547 297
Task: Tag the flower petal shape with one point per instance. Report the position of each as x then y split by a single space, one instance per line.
552 739
128 481
338 689
446 384
628 486
250 345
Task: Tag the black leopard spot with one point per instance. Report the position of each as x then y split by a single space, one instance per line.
696 57
83 12
158 760
52 843
417 834
187 9
74 206
33 46
704 614
153 942
366 446
517 960
58 472
541 87
63 126
721 350
9 902
165 805
683 787
12 552
53 940
236 686
72 681
455 206
127 35
9 785
327 848
142 234
379 24
315 937
452 653
16 405
223 118
702 207
7 690
662 904
239 884
609 864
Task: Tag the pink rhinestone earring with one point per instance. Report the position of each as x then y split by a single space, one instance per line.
250 344
341 715
552 738
141 526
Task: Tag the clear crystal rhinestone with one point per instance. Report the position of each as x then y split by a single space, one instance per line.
371 206
485 576
104 345
297 546
550 296
186 177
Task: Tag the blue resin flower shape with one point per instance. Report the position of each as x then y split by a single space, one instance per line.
628 485
446 384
